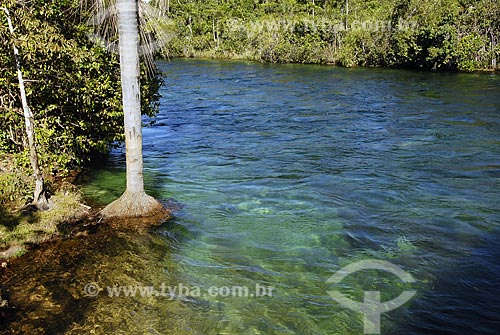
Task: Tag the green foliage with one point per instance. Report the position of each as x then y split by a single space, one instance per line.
427 34
468 49
14 187
72 86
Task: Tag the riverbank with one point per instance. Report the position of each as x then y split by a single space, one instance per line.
384 33
32 242
22 226
252 57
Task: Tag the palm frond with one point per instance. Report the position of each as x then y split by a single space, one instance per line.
152 27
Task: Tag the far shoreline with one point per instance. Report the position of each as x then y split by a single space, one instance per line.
207 56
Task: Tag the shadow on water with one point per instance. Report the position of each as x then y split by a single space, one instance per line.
468 288
49 290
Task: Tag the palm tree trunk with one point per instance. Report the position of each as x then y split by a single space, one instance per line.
130 72
134 202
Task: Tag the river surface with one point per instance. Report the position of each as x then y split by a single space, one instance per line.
282 175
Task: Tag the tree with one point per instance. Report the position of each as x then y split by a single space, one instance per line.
346 14
134 201
40 194
72 86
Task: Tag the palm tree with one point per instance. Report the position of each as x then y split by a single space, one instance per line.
135 201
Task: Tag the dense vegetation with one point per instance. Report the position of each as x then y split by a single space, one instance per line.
73 86
428 34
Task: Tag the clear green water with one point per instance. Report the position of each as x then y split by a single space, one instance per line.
287 173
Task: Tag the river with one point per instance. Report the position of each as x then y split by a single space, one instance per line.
284 174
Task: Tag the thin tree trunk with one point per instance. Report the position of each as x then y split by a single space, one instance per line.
39 196
213 30
134 202
346 14
190 26
493 56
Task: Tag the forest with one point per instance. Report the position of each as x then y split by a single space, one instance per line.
425 34
72 86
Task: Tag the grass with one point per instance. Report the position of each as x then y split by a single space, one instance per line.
20 228
21 225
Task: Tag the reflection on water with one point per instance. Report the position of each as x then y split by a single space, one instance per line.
287 173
